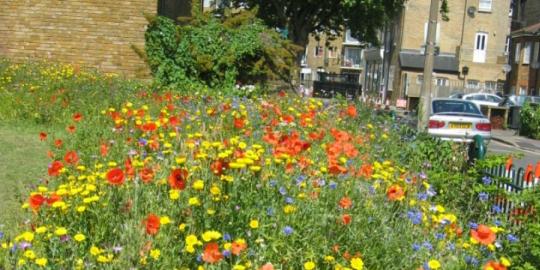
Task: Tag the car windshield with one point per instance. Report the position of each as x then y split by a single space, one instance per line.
454 106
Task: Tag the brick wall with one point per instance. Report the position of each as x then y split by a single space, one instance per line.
91 33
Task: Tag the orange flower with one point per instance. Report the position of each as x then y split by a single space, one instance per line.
58 143
218 166
366 170
152 224
491 265
395 193
55 167
345 203
53 198
177 179
77 117
149 127
103 149
147 174
36 201
71 129
211 253
346 219
71 157
239 123
267 266
237 247
42 136
483 234
351 111
115 177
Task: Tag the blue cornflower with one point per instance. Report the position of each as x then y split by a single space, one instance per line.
422 196
483 196
451 246
473 225
440 236
427 245
497 222
496 209
321 182
270 211
431 192
283 191
288 230
471 260
333 185
289 200
1 235
415 217
416 247
512 238
227 237
226 253
486 180
273 183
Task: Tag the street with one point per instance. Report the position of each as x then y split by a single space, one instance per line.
529 157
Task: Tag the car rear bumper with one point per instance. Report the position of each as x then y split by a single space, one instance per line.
462 138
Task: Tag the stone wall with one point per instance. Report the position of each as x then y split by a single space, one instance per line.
90 33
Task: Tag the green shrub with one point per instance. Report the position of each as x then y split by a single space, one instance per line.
530 121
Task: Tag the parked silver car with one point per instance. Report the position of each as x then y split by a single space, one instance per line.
458 120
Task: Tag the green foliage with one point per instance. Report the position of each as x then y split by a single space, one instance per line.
209 52
530 121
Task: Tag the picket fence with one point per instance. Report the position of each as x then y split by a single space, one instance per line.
512 180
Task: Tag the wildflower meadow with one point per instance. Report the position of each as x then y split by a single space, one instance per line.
138 178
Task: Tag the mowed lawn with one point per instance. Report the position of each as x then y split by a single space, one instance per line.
23 161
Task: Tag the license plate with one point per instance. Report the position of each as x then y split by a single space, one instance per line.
460 125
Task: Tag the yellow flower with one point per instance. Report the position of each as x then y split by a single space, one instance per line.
505 261
239 267
191 240
215 190
30 254
81 209
41 261
105 259
95 251
357 264
211 235
164 220
287 209
182 227
255 168
79 237
329 258
155 253
194 201
60 231
309 265
174 194
198 185
254 224
28 236
434 264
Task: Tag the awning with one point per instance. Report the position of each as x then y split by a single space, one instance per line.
445 63
531 30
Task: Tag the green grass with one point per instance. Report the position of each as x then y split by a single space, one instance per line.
23 160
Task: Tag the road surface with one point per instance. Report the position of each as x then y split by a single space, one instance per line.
529 157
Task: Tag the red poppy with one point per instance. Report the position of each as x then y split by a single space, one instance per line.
346 219
55 167
288 118
130 171
337 169
71 129
345 203
36 201
239 122
491 265
366 170
148 127
115 177
395 193
351 111
483 234
177 179
77 117
238 247
211 253
147 174
152 224
71 157
53 198
218 167
42 136
282 93
103 149
58 143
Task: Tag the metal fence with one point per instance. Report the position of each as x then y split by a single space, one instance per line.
510 180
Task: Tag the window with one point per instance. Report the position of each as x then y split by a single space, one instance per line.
319 51
473 84
332 52
493 98
454 106
491 85
437 33
527 53
420 79
352 57
507 46
174 8
441 81
517 55
485 5
480 47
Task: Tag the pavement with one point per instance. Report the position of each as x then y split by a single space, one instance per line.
511 137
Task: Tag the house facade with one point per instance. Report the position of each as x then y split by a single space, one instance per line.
97 34
524 61
472 48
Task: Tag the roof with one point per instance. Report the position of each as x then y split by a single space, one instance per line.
444 63
530 30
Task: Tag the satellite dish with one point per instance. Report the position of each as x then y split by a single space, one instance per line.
471 10
506 68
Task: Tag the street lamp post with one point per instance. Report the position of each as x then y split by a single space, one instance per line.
425 101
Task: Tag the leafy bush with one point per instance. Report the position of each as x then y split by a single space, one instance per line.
216 53
530 121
